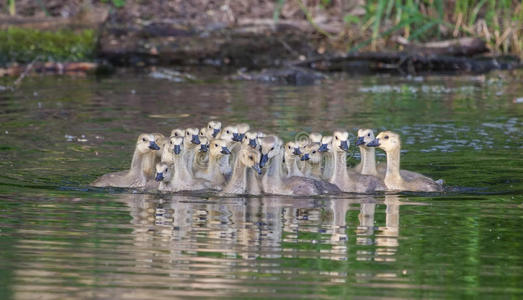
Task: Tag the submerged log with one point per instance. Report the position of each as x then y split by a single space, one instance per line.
408 63
68 68
287 75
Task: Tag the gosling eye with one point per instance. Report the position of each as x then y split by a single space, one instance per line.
289 147
368 134
313 152
171 142
187 133
166 170
251 158
143 139
215 145
228 131
272 148
386 137
209 126
336 137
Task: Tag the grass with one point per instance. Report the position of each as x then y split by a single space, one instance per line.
498 22
24 45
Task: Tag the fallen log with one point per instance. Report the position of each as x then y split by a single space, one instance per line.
467 46
408 63
67 68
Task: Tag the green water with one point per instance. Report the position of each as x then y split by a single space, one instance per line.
60 239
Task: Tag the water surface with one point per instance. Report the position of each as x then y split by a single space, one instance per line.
61 239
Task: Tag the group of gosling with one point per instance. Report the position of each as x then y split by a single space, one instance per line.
234 160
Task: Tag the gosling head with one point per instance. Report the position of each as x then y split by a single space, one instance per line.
340 142
312 154
163 172
146 142
292 149
177 132
230 134
387 141
365 136
315 137
213 128
219 147
204 145
270 146
325 144
176 144
159 139
250 139
192 136
250 158
243 127
302 142
203 132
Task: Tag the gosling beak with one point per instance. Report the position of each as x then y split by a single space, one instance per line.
323 148
263 160
257 168
204 147
296 151
195 139
153 145
236 137
305 157
225 150
374 143
177 149
360 141
159 177
344 146
242 135
215 132
252 143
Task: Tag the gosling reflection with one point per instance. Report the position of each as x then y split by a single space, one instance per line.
387 237
221 235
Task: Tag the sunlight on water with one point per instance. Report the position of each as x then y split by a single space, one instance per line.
60 239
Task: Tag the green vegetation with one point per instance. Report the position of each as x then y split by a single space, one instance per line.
498 22
24 45
116 3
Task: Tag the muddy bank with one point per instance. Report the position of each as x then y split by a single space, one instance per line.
284 52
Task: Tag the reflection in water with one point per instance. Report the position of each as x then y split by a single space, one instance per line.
219 245
164 246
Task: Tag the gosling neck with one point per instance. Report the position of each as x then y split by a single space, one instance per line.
238 181
292 166
328 164
340 176
312 169
181 174
141 163
218 165
167 154
393 166
188 156
275 171
368 161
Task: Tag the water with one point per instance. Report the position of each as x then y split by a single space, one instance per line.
60 239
